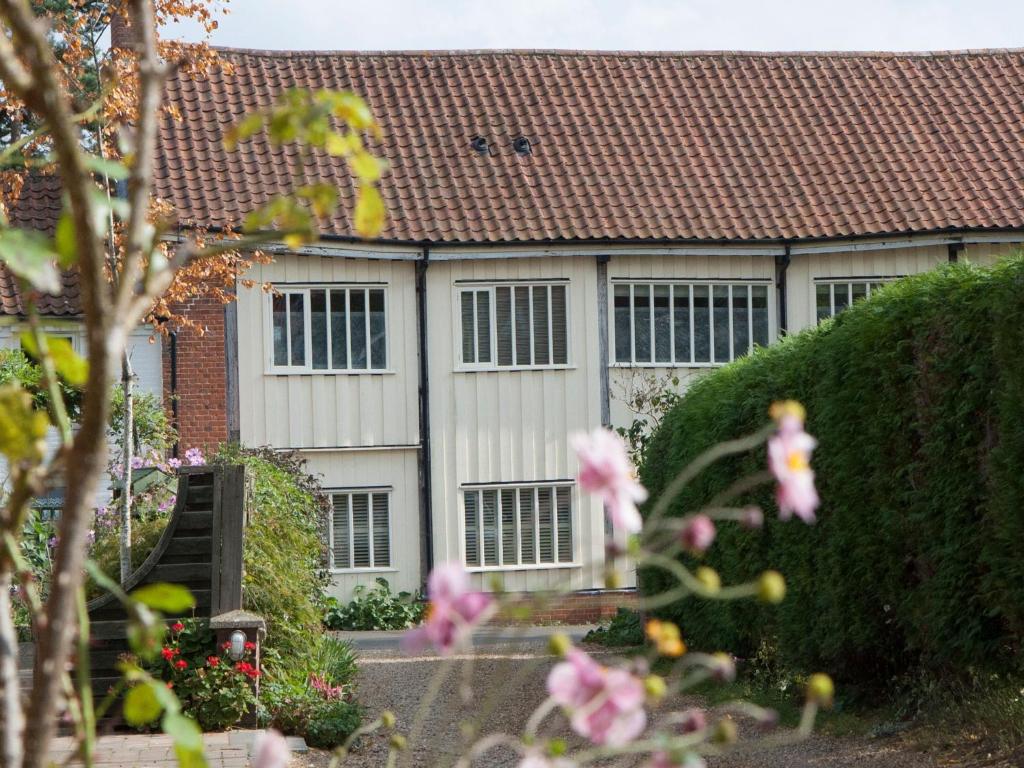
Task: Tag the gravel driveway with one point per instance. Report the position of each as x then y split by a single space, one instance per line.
508 682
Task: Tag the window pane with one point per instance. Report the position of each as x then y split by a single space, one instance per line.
701 324
483 326
468 330
823 301
378 335
339 330
740 320
547 525
642 323
381 531
522 313
681 318
509 542
559 326
472 499
360 530
720 296
760 310
859 291
541 356
503 323
662 325
279 305
842 296
527 525
622 328
318 328
564 511
357 326
490 511
340 525
297 328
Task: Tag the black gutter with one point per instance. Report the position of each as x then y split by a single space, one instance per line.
173 354
781 267
426 497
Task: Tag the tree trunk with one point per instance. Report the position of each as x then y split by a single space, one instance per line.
126 477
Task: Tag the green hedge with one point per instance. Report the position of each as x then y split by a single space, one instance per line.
917 399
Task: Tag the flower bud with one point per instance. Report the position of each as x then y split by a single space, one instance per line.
698 534
771 587
821 690
397 742
722 667
752 518
709 579
613 550
656 687
692 720
559 644
725 731
787 409
613 578
387 718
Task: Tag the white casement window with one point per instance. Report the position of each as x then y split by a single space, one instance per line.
328 329
519 526
692 323
513 326
360 530
833 296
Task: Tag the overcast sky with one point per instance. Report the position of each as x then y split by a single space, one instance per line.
620 24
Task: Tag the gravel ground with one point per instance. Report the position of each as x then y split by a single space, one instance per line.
508 682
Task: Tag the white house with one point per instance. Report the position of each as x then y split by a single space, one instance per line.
560 221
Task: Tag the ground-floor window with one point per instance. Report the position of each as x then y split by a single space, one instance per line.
360 529
518 525
833 296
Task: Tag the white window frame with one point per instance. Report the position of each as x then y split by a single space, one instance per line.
285 289
833 282
574 518
369 491
489 286
689 283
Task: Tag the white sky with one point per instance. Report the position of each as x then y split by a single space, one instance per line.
619 24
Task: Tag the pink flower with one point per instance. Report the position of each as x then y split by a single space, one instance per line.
692 720
752 518
789 458
455 611
270 750
698 533
174 463
665 760
194 457
605 470
138 462
604 704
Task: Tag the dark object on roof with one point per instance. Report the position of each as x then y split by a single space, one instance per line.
631 146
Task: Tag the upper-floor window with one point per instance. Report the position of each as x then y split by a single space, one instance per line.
514 326
833 296
518 526
360 530
329 329
693 323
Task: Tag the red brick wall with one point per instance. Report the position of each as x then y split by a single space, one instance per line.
588 607
202 376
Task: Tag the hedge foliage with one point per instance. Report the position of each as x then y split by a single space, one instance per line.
917 399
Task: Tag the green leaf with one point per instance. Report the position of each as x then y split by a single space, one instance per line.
112 169
370 213
168 598
70 366
28 255
22 429
190 758
249 126
366 166
64 241
141 705
184 731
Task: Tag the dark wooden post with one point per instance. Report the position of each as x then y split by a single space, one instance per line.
229 538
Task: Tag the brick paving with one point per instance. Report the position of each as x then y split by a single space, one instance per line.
223 750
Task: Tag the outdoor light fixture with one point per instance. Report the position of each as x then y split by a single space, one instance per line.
237 645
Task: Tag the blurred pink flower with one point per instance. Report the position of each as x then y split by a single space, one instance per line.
692 720
698 533
194 457
174 463
665 760
270 750
455 611
789 458
603 704
538 760
606 471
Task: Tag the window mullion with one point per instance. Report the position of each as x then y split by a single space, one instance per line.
750 318
481 536
512 320
532 330
307 324
650 317
536 525
732 336
672 323
366 324
351 534
554 515
330 531
551 327
711 323
348 329
693 341
517 514
832 299
328 323
288 328
474 329
632 326
499 542
371 531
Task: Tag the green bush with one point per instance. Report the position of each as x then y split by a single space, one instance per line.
375 608
917 399
626 629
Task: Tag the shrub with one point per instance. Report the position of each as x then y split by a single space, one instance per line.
917 399
625 630
375 608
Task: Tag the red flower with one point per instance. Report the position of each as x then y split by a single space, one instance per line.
226 645
168 653
213 661
177 626
170 684
247 669
181 664
250 646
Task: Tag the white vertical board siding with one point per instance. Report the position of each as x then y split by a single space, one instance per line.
393 469
986 254
329 410
510 426
622 380
890 262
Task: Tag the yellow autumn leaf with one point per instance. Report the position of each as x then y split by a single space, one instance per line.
366 166
370 213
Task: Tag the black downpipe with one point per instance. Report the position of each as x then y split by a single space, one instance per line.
173 352
426 498
953 252
781 266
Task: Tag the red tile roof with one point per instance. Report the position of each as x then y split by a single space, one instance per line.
631 146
